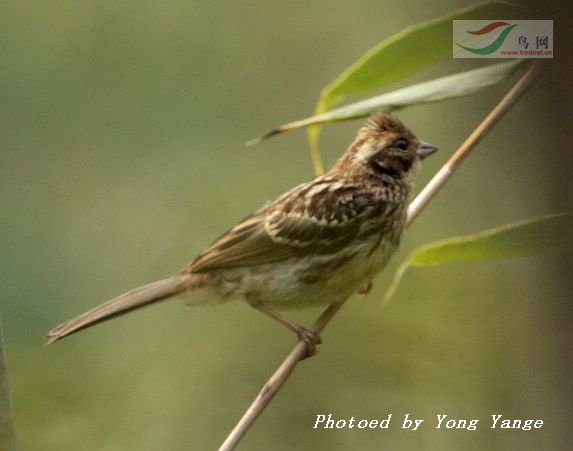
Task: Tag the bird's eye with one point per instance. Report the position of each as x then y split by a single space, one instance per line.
401 144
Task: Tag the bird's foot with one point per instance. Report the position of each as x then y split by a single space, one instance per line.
364 290
311 340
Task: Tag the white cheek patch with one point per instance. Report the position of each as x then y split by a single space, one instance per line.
364 153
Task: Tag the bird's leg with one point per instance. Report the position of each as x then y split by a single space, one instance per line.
364 290
310 338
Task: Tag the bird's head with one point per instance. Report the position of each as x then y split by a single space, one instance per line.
384 148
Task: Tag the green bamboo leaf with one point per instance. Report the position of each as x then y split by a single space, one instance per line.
527 238
410 51
436 90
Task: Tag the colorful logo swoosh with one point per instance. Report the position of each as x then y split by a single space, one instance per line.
489 27
495 45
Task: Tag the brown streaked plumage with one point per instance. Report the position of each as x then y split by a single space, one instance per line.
316 244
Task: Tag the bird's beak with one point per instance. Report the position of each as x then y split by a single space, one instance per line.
425 149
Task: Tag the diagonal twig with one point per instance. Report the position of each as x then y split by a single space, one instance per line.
447 170
281 375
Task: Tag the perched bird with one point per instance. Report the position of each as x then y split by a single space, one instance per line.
315 245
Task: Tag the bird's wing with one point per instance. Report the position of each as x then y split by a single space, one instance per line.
317 217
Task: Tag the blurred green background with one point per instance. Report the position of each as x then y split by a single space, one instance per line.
122 156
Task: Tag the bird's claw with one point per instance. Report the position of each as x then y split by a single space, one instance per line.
365 289
311 340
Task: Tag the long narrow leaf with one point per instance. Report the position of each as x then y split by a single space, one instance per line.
527 238
410 51
436 90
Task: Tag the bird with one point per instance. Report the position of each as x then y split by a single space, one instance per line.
316 244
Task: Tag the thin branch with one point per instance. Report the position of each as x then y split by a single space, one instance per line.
447 170
282 374
7 432
275 382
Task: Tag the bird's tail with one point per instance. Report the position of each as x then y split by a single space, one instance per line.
133 299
